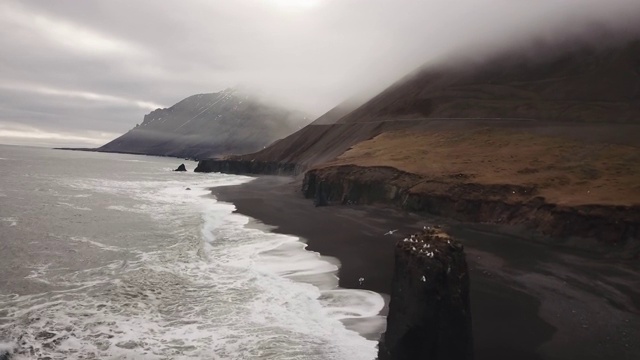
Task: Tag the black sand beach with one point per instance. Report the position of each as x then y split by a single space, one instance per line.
529 300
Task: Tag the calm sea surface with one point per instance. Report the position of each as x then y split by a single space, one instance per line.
108 256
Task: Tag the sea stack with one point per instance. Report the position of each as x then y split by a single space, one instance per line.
181 168
429 312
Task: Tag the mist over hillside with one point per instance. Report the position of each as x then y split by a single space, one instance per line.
587 86
579 83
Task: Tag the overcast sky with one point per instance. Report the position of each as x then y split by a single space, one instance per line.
79 73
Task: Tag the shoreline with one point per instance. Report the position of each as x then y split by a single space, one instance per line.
529 300
368 327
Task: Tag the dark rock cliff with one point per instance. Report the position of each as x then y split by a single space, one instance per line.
501 204
239 167
429 313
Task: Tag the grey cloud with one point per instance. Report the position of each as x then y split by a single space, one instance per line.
310 57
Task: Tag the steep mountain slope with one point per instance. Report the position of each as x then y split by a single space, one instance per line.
339 111
551 143
208 125
584 85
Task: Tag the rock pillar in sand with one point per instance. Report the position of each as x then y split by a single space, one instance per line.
429 312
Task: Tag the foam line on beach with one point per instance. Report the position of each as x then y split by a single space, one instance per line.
286 256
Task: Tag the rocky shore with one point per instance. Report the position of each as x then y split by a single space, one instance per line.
616 226
243 167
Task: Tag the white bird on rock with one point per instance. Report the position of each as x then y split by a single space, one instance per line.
390 232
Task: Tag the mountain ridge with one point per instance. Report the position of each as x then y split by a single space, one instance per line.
583 84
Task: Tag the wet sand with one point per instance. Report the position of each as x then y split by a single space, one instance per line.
529 300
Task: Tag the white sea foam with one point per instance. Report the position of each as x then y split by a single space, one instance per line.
95 243
6 347
124 209
225 291
12 221
38 272
76 207
133 160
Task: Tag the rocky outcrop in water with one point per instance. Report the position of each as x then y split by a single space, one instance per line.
4 355
499 204
181 168
429 312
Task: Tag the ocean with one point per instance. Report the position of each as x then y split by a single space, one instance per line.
110 256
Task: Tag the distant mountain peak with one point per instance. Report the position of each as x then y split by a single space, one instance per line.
209 124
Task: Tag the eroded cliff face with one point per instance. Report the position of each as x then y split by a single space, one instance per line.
499 204
429 313
240 167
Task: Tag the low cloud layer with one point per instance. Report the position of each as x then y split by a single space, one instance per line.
79 72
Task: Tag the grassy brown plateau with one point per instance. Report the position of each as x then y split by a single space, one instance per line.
563 171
